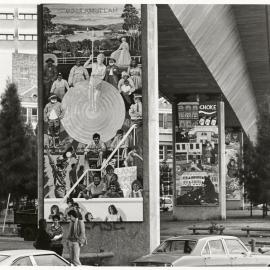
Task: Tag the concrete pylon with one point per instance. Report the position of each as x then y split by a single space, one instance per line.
150 122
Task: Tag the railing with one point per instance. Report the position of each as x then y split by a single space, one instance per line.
104 164
72 60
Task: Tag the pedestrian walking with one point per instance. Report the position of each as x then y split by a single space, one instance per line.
76 237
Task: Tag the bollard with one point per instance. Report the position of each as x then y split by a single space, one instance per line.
253 244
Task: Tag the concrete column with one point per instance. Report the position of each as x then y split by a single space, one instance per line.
40 118
150 123
222 160
174 119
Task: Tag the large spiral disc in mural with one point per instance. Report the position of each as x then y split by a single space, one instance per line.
81 121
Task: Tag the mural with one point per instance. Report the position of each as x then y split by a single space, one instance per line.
92 91
197 181
233 153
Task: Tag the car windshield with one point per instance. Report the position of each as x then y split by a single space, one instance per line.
3 257
176 246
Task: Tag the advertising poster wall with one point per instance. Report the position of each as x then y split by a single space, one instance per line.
92 92
233 153
197 180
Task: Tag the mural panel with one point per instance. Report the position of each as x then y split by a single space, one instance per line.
197 180
92 89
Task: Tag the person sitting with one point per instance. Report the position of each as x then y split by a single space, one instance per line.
123 146
108 176
95 189
112 192
95 149
136 189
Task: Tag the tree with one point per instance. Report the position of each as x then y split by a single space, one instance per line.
131 21
48 25
256 171
18 163
63 45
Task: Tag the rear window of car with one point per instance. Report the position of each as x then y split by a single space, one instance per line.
3 257
176 246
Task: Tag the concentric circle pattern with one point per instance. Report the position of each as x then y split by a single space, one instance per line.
81 121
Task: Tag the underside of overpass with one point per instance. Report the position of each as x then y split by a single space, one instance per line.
219 50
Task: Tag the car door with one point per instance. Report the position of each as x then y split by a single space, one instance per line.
238 253
217 254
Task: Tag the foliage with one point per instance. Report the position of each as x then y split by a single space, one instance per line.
48 25
63 45
18 157
256 171
67 31
130 16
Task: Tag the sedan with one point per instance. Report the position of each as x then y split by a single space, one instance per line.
199 250
31 257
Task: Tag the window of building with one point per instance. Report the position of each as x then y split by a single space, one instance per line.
161 152
161 122
34 111
165 120
27 16
6 16
27 37
169 151
169 120
6 37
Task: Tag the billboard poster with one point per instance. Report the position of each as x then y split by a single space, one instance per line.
196 148
92 92
233 153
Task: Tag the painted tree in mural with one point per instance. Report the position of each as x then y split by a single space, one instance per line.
131 23
63 45
18 150
48 25
256 172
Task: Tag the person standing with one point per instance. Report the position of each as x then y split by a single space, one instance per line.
43 240
112 73
56 233
49 76
76 237
77 74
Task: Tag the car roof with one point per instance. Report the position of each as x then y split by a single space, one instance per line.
25 252
199 237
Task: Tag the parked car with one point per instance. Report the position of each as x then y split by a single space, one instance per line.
31 257
199 250
166 204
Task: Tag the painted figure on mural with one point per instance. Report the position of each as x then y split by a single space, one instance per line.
77 74
59 171
232 168
97 75
126 88
112 73
122 55
95 150
135 73
49 76
113 214
136 189
59 87
53 113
